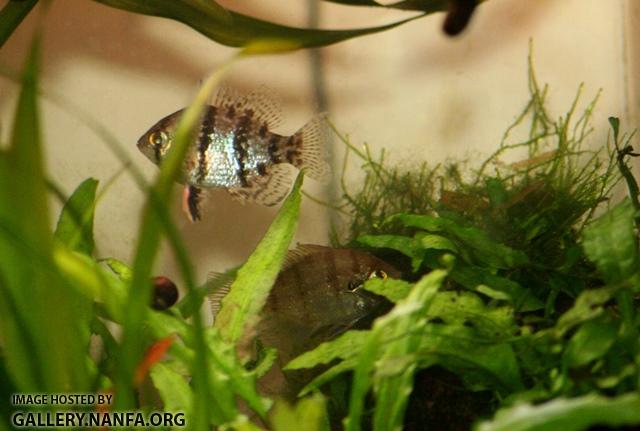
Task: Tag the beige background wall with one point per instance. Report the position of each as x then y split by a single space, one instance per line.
424 96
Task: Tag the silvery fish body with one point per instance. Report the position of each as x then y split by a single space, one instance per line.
236 149
317 296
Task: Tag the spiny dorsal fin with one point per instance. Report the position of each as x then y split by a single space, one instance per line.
263 102
266 104
219 283
301 252
225 97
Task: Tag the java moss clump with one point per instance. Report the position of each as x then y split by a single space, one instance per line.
523 203
531 320
537 206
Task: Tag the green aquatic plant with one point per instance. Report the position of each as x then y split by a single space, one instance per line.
231 28
52 284
560 182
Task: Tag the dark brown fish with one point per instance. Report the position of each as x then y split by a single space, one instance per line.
236 149
317 296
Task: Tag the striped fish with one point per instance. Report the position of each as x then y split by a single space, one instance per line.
317 296
235 149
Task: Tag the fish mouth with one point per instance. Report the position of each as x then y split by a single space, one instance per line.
329 332
378 306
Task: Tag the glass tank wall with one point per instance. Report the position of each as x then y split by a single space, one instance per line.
518 276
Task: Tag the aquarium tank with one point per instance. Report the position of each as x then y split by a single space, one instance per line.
319 215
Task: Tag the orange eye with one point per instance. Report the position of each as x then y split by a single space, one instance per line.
157 138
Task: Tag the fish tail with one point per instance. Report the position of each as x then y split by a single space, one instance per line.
311 147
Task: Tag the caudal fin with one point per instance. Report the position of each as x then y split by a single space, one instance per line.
313 152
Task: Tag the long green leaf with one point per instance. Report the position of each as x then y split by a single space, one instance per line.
75 224
567 414
235 29
43 322
255 278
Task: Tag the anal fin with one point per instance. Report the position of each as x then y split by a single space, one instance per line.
267 190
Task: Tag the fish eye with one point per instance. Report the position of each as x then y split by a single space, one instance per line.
378 273
157 138
355 285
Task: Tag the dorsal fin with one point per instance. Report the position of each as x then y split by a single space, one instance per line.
225 96
263 102
301 252
219 284
266 104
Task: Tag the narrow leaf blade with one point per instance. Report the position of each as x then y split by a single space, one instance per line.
256 277
75 224
567 414
235 29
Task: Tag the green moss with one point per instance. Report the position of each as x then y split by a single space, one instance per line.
537 204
